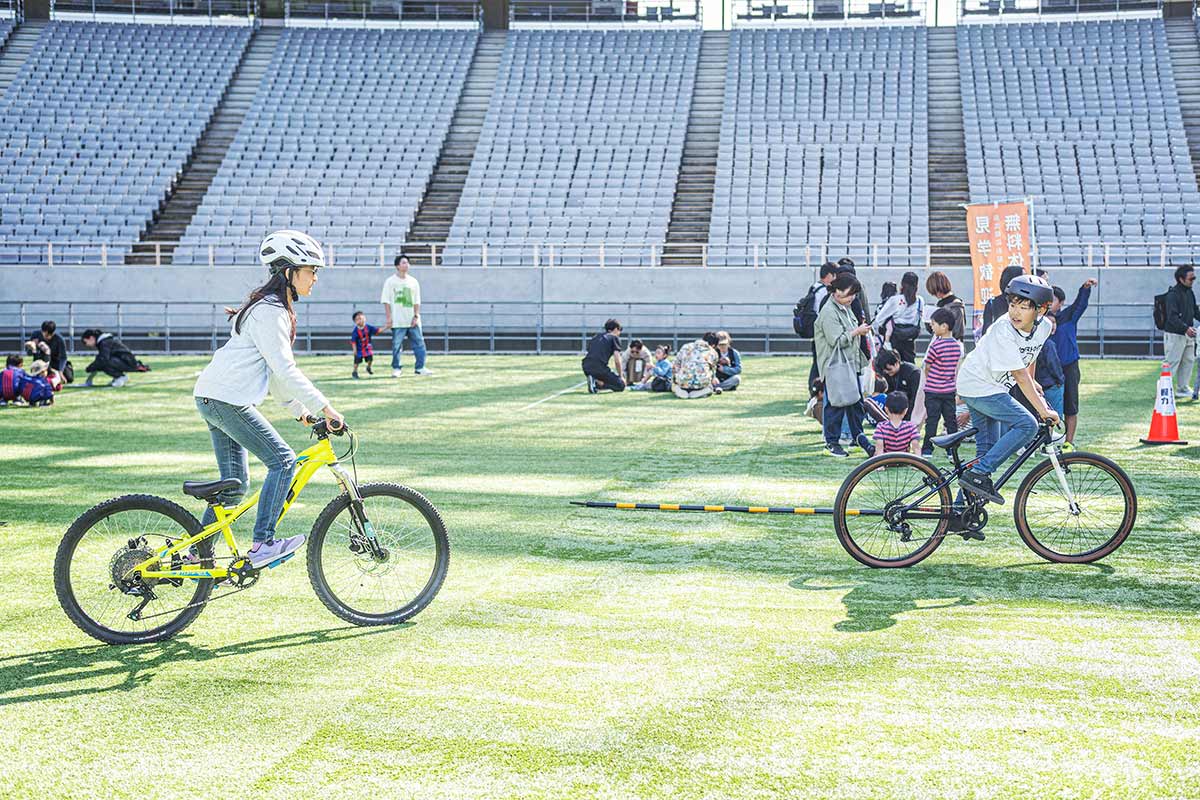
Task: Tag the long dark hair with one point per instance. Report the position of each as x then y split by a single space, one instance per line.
908 287
281 292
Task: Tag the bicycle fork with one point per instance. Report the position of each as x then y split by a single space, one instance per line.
1061 474
363 538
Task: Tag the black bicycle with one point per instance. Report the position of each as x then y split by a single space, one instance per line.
895 509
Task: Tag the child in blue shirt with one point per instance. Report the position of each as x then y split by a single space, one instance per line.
361 337
659 378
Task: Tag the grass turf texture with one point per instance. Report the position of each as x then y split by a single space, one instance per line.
591 653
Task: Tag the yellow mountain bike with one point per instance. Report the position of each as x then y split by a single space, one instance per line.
140 568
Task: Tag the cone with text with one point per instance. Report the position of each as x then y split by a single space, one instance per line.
1164 429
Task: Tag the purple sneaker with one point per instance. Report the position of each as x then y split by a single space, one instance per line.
262 554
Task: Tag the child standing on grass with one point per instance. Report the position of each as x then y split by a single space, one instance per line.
1001 360
361 337
942 361
896 434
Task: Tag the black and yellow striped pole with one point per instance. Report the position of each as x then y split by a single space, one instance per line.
852 512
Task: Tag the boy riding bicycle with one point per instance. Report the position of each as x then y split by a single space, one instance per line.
1002 359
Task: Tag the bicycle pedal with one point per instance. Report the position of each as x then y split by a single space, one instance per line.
279 561
976 535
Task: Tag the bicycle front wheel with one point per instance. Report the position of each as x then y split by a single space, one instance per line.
384 585
867 518
94 579
1104 513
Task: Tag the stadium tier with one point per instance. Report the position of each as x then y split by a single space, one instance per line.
342 138
582 144
99 124
823 139
1084 117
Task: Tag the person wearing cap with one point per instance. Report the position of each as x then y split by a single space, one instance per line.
1002 359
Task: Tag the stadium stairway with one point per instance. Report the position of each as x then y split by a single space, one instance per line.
16 50
691 210
179 206
444 190
948 190
1185 63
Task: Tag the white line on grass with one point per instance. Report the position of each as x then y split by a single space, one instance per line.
556 394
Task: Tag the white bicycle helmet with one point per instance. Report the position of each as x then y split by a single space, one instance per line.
288 249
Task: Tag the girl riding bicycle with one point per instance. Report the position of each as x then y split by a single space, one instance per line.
256 360
1000 360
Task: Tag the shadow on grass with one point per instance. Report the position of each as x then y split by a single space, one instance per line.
874 599
57 674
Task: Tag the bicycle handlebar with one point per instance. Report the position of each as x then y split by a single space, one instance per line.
322 430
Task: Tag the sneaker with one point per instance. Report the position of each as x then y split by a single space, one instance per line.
395 373
369 370
265 554
717 390
591 383
867 445
926 454
1067 447
90 378
424 371
836 451
354 375
121 381
980 485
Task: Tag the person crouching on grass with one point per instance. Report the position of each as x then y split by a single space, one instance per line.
1000 360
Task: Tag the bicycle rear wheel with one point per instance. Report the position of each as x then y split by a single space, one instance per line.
1105 514
93 578
388 586
883 483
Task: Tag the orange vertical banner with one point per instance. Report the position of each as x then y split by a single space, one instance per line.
1000 236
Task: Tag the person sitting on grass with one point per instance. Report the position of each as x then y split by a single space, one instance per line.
896 434
602 348
1001 360
113 358
729 364
901 376
361 337
637 363
38 389
694 373
12 379
658 379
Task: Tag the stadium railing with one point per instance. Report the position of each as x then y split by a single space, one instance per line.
1111 329
602 11
383 11
973 9
774 11
12 9
1103 255
211 9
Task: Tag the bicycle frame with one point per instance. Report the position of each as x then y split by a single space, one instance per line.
308 463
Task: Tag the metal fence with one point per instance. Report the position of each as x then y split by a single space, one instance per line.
1093 255
607 11
1108 330
382 11
982 8
757 11
172 8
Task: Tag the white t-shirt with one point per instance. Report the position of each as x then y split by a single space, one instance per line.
1003 349
403 294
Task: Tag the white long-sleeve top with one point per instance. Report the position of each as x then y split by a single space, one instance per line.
897 309
259 360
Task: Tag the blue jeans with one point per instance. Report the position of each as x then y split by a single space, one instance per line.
1004 426
234 430
1054 397
833 418
418 345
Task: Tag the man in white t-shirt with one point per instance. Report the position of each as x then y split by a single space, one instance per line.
1004 357
401 300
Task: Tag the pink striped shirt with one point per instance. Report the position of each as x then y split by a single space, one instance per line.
941 362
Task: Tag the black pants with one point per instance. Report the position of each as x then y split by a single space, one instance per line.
360 359
605 377
905 348
660 384
1071 389
110 367
938 405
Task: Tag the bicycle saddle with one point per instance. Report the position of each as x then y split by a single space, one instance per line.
208 490
949 440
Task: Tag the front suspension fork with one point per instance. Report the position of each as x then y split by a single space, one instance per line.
363 538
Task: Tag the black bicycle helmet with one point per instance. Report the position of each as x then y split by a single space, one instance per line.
1031 287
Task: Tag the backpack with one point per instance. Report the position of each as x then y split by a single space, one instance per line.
1160 311
804 315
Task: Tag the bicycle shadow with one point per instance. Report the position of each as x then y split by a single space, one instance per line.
54 674
877 598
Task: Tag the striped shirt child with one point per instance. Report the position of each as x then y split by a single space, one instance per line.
895 437
941 365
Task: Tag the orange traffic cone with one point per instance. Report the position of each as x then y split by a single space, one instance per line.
1163 427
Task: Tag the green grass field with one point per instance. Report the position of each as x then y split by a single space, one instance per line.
589 653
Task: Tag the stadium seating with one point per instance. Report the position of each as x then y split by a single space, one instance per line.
6 27
581 145
823 140
1084 117
98 125
341 140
